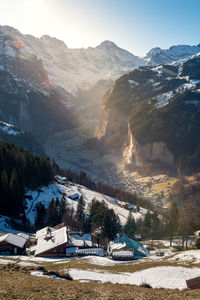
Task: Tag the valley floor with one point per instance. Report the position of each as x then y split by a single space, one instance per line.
71 150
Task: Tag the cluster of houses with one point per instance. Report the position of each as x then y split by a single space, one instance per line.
61 242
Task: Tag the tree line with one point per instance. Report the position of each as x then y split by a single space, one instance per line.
99 220
20 169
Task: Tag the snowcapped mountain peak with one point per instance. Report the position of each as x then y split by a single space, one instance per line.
107 44
71 69
8 30
158 56
153 52
52 41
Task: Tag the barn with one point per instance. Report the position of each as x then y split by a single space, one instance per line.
12 244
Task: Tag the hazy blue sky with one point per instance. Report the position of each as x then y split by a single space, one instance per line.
135 25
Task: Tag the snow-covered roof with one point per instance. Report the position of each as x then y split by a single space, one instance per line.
74 196
52 240
26 236
80 240
13 239
116 246
44 231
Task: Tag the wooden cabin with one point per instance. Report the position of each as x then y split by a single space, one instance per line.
12 244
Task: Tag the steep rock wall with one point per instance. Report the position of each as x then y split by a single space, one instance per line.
156 151
115 131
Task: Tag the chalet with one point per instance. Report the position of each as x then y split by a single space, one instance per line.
52 242
125 243
12 244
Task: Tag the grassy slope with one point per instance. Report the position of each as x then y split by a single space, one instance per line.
21 285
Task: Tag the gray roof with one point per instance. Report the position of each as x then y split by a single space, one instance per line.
14 240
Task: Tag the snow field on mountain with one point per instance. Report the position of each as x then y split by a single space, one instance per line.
46 193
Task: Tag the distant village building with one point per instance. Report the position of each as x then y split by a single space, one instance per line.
74 197
60 180
12 244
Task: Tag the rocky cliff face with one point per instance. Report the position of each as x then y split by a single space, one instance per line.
152 115
139 154
112 130
115 131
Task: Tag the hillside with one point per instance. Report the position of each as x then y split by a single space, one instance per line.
27 140
155 112
19 170
44 195
33 106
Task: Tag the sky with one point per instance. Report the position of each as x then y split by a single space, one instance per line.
135 25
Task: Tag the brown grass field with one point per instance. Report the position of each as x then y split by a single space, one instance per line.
19 284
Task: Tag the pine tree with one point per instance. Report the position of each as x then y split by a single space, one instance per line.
41 216
155 225
130 226
173 220
52 213
80 213
4 205
15 194
62 208
111 224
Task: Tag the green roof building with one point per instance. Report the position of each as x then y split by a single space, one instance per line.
124 242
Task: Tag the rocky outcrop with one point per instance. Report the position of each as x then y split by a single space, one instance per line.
112 129
156 151
111 122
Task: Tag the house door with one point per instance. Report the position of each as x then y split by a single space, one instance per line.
15 250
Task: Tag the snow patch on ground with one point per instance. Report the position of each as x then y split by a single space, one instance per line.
5 261
158 277
40 274
190 256
26 264
103 261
